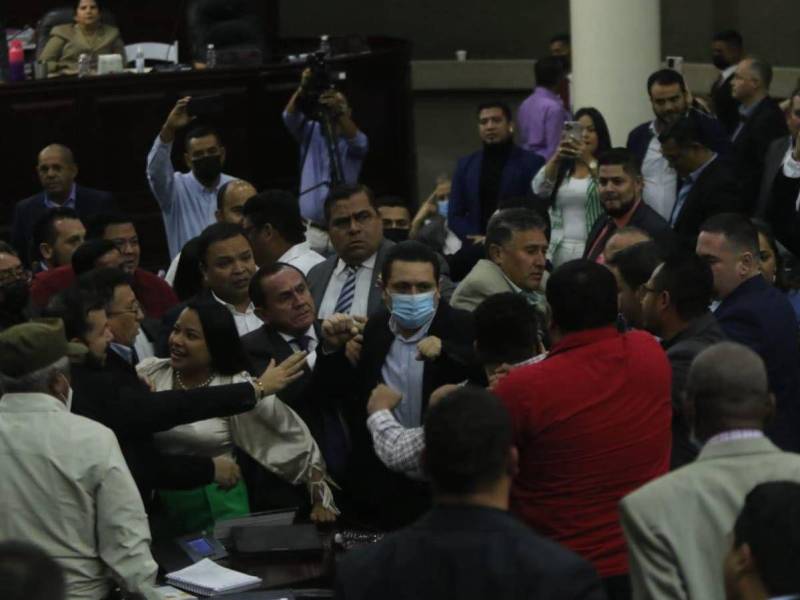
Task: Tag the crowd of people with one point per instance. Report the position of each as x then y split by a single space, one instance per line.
572 372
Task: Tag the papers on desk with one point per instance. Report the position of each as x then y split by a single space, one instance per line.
210 579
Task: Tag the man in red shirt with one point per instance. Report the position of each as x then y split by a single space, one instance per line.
592 422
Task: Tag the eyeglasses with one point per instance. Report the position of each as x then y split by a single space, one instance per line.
14 274
135 309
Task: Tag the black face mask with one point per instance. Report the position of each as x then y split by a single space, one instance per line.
15 297
720 62
395 234
207 169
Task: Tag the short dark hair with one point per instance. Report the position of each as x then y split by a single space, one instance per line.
561 37
409 251
496 104
730 37
686 132
506 329
73 306
103 282
665 77
212 234
6 248
737 229
345 191
501 226
202 130
393 202
222 338
280 209
188 280
549 71
97 224
44 229
468 436
582 295
28 573
86 254
257 296
769 524
636 263
689 281
622 157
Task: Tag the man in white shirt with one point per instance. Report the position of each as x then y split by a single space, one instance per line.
273 224
66 486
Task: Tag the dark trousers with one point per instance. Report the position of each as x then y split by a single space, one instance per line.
618 587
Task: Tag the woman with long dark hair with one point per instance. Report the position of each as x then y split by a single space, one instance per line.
568 183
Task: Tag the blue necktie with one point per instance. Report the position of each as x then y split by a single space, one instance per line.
302 342
345 301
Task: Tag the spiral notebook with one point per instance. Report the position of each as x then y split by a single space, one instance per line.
210 579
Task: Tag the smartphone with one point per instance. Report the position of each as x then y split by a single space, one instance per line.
201 106
573 130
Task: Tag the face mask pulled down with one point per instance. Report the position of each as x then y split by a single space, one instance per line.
412 311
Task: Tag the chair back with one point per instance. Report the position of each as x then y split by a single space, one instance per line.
156 51
228 24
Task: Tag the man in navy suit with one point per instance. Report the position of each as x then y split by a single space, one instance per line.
756 314
57 171
500 170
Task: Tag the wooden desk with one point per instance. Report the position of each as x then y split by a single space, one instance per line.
110 123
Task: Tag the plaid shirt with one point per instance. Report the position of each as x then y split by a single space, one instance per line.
399 448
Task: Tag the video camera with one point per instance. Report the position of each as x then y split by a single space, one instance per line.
321 80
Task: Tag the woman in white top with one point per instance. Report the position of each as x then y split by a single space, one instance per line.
568 183
205 350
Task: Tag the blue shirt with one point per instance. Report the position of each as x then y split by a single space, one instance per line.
69 203
686 187
316 168
187 206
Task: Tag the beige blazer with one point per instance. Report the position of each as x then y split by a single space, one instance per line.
484 280
678 526
67 42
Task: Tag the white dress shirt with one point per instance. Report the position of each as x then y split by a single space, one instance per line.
302 257
246 321
660 180
791 169
336 283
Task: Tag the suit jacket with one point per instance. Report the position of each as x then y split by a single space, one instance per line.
759 316
781 211
386 498
682 349
726 107
772 166
88 202
464 209
484 280
716 190
762 127
465 552
67 42
644 217
677 527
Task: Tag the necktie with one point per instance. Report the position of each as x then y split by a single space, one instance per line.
345 300
302 342
682 193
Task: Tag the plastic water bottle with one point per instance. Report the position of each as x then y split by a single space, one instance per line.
84 65
211 57
325 46
139 60
16 61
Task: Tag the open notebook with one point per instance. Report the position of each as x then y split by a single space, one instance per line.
209 579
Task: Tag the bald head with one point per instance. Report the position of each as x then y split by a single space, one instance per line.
57 171
231 198
624 238
727 389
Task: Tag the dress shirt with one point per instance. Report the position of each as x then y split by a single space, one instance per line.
173 269
660 180
67 488
744 114
302 257
403 373
187 206
68 203
246 321
541 119
791 169
686 187
316 168
124 352
336 283
735 434
398 447
143 347
313 342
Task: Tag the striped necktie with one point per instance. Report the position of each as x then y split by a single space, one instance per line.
345 301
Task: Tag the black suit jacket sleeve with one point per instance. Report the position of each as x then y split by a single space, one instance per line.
782 214
179 472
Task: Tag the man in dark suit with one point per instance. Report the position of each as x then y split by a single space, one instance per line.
57 171
675 309
620 184
708 182
756 314
419 344
726 52
467 546
500 170
762 122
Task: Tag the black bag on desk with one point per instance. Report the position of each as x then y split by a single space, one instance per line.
281 541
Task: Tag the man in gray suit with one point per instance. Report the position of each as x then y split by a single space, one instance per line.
516 244
676 527
776 154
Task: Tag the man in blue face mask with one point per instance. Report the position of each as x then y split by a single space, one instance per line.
417 345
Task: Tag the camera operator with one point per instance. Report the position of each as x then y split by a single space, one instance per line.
316 170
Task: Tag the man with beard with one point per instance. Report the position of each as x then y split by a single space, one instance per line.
187 200
670 101
14 288
620 183
500 170
726 52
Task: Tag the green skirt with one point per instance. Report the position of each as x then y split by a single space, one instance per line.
189 511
